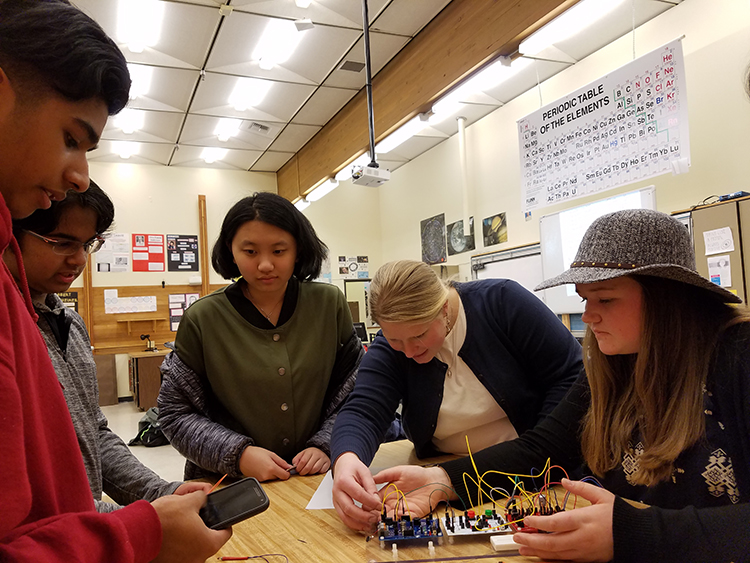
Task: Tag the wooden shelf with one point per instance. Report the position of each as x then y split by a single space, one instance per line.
129 321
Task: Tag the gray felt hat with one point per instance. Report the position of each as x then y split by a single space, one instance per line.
636 241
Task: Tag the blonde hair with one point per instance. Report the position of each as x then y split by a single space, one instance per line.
655 396
406 291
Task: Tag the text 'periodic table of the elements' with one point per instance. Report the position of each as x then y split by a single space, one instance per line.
627 126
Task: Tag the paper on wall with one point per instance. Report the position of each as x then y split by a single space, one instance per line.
720 270
718 240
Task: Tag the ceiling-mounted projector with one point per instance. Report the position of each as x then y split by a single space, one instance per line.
369 176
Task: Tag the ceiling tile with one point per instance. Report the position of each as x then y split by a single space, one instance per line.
157 127
407 18
383 48
317 53
181 21
171 90
294 137
145 153
344 13
271 161
234 160
280 103
323 105
201 131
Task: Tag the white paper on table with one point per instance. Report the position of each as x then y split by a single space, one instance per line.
323 497
718 240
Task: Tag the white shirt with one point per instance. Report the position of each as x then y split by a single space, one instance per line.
468 409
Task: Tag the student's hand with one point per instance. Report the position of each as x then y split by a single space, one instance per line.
425 488
352 481
311 461
187 488
583 534
263 464
185 538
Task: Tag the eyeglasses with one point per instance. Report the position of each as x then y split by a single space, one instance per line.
69 247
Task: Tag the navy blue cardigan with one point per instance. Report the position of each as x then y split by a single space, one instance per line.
514 344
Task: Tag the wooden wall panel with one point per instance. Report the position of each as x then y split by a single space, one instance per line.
465 35
109 334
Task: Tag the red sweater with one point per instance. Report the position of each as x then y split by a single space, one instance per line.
46 507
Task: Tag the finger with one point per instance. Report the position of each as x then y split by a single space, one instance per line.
590 492
560 522
387 476
196 499
353 516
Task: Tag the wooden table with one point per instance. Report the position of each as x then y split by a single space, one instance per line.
319 536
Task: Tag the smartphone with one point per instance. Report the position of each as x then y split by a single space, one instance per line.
234 503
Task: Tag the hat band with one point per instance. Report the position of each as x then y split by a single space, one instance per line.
613 265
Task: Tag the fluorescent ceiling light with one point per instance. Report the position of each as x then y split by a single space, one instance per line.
403 133
302 204
227 128
322 190
129 120
125 149
276 45
248 93
140 76
212 154
567 24
139 23
302 3
486 79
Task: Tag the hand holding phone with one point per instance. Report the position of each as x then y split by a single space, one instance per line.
234 503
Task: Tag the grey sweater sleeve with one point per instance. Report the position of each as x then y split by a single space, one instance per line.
124 478
186 419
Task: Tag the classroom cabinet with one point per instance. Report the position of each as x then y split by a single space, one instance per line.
734 214
145 377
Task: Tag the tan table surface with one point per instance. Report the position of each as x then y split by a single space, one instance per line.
319 536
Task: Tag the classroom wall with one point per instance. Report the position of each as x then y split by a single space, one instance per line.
716 48
164 200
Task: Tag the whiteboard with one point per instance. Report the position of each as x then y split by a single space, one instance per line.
561 234
524 267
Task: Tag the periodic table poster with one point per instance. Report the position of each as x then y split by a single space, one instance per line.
627 126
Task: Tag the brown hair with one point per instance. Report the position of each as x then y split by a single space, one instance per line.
406 291
656 395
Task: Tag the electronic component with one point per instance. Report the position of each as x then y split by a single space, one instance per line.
504 544
472 524
406 529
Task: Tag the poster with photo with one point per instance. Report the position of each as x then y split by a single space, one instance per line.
182 253
432 232
178 304
457 242
148 253
354 267
114 255
495 229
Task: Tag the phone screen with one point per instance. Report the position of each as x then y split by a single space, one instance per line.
234 503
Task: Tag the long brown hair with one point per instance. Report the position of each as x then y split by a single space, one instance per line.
657 394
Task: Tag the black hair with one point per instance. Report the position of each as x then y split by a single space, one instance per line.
51 45
45 221
279 212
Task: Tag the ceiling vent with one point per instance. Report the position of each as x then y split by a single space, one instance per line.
255 127
352 66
